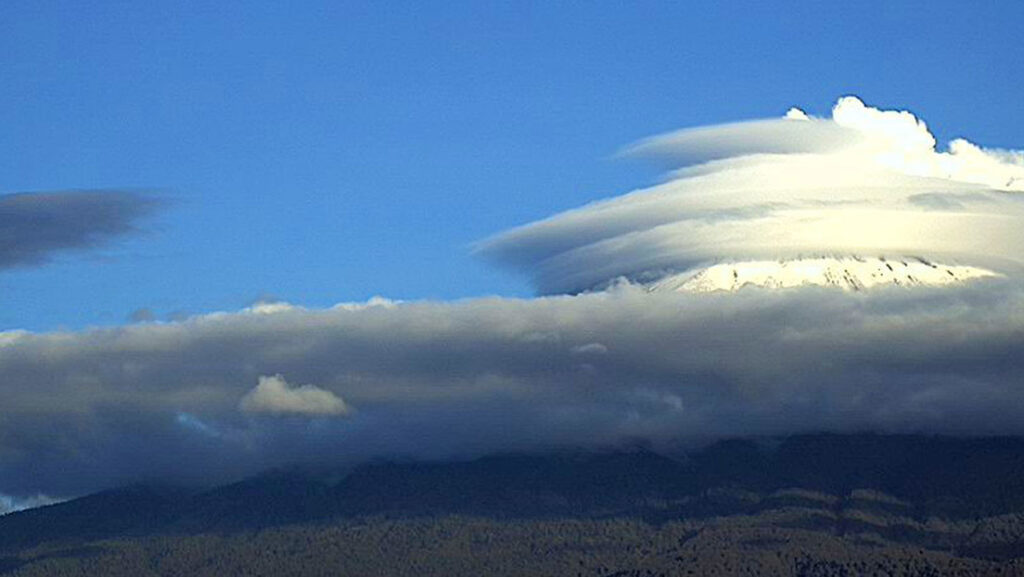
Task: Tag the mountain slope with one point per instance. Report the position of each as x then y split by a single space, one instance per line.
942 477
803 505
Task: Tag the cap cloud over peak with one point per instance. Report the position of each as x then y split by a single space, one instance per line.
785 188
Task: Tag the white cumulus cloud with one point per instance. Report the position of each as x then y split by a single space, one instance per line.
275 396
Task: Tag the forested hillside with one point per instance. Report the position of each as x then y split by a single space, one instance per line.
807 505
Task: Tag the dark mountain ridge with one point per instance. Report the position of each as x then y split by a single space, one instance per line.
884 476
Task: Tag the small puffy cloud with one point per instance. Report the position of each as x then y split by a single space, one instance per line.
275 396
796 114
36 226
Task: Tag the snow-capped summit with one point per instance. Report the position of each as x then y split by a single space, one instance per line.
851 273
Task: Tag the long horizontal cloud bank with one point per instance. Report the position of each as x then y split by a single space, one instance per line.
36 226
864 182
83 411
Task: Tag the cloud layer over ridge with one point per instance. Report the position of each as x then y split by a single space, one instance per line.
89 410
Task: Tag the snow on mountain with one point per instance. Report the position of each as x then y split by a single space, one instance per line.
852 273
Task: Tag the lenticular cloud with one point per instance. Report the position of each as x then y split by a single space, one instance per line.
865 185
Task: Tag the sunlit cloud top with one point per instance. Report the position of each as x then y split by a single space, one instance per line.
865 182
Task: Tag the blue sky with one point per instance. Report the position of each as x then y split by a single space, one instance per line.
327 152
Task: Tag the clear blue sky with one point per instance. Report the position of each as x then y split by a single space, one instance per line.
320 152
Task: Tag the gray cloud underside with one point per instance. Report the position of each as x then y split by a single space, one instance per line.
36 226
88 410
